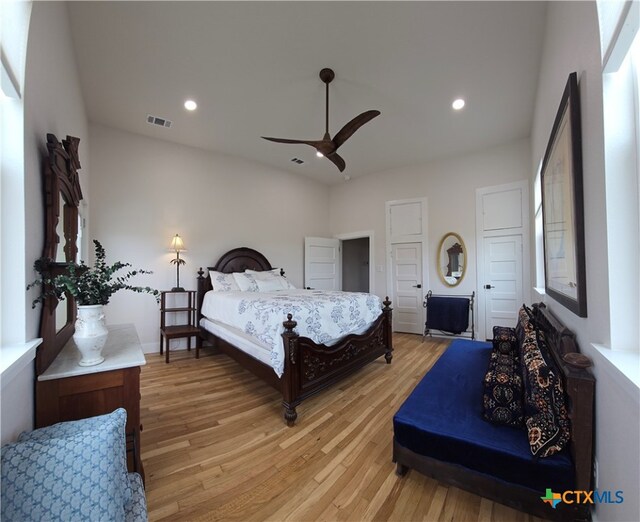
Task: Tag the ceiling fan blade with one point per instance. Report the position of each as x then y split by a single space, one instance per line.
337 160
347 131
284 140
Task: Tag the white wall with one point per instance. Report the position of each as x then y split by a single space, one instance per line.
450 188
572 44
52 104
147 190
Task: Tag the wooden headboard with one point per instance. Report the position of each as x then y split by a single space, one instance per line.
579 385
241 259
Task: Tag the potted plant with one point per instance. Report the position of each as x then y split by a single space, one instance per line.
91 287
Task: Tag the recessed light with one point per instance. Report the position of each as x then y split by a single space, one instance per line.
190 105
319 154
458 104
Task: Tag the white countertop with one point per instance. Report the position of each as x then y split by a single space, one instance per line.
122 350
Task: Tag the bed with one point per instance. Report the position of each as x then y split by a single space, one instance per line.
307 366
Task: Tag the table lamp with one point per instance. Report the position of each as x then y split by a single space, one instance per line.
177 245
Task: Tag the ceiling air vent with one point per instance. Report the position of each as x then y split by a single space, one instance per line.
161 122
297 160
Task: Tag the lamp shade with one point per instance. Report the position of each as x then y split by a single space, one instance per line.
177 245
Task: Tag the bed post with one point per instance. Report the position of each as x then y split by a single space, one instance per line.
200 295
201 290
388 335
290 376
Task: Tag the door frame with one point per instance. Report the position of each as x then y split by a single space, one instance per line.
372 262
422 238
524 230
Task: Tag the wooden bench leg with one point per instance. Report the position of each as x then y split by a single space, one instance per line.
401 470
167 350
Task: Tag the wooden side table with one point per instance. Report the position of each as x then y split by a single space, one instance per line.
187 329
67 391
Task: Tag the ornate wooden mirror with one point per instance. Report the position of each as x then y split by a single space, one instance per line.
452 259
62 195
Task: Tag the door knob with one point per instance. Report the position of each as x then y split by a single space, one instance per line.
489 287
417 286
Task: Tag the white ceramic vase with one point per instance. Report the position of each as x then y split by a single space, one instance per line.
91 334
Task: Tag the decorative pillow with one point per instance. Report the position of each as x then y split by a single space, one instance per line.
502 398
136 508
525 326
100 423
265 273
271 275
505 340
246 282
269 285
223 282
77 477
546 416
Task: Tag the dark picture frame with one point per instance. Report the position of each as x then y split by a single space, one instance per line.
563 207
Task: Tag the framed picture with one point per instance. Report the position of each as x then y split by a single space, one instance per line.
562 206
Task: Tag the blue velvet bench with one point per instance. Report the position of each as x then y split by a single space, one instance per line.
440 432
72 471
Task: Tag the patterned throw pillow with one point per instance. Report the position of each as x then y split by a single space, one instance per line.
136 509
272 278
505 340
117 419
223 282
246 282
546 416
502 398
525 325
77 477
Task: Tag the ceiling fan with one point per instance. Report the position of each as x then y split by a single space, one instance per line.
327 146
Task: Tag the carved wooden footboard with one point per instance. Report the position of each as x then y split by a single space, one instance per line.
311 367
308 367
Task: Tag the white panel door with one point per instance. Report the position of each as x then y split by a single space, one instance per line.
503 289
322 270
406 264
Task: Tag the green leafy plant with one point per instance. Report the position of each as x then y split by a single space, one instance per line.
89 286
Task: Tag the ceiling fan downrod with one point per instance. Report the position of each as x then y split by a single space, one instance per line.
327 76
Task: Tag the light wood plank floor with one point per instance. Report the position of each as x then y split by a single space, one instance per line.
215 447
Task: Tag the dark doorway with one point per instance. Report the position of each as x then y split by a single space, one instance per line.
355 265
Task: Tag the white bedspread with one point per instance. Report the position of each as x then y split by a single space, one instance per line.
324 317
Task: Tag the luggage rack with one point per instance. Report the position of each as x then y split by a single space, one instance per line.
438 302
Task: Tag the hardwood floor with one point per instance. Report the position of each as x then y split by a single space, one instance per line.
215 447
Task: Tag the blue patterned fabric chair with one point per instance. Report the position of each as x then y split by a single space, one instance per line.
72 471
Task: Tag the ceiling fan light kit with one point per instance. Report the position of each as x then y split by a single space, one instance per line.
328 147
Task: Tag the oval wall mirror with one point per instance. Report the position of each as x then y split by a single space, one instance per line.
452 259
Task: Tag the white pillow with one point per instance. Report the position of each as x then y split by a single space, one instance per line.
246 282
271 275
223 282
269 285
263 273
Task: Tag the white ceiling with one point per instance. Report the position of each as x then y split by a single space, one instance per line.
253 69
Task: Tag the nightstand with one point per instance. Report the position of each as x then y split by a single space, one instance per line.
180 305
